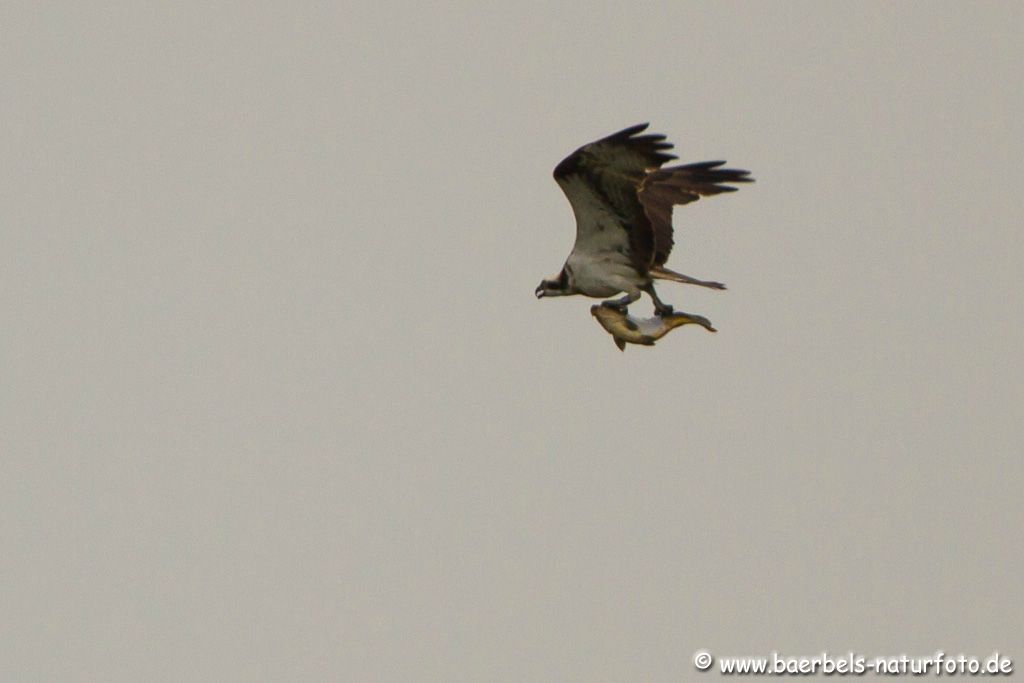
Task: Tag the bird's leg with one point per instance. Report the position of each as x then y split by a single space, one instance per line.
621 305
660 307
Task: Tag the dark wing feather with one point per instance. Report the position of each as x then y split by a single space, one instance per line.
624 154
602 180
663 188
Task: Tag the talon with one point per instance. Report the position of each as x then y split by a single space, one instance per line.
663 311
615 306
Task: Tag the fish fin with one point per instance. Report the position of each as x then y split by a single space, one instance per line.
620 343
676 319
646 340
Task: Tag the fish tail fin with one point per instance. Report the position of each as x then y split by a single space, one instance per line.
677 319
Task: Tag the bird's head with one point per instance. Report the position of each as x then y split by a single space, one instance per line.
559 286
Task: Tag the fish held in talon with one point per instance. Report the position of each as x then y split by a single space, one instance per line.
625 329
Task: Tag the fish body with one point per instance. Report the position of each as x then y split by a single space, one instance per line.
625 329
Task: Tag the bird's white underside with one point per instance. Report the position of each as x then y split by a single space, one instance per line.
599 260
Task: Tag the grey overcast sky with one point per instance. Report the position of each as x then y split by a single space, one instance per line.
278 402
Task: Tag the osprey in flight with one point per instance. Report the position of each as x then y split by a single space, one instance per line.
623 203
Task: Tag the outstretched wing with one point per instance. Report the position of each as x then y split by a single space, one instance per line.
663 188
602 182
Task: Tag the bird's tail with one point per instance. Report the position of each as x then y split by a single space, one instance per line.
663 273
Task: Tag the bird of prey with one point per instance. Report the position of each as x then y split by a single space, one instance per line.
623 201
627 329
